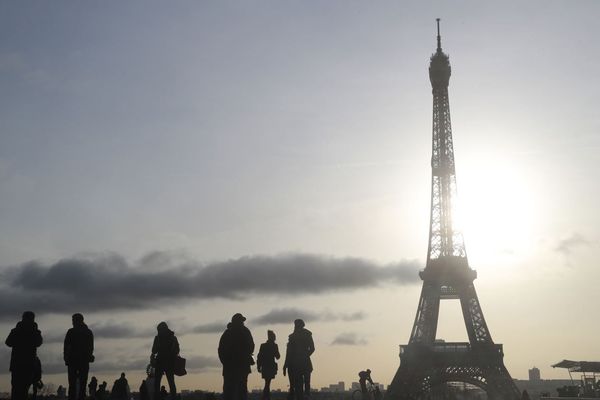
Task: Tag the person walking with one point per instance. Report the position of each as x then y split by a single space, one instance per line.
235 352
300 347
24 339
165 350
78 354
266 364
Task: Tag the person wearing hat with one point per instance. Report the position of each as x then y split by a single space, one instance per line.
300 347
78 352
235 352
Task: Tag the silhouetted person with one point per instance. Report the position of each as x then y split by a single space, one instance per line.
93 387
78 354
144 394
165 350
101 394
266 364
163 393
300 348
363 378
235 352
120 389
61 392
24 339
36 383
290 372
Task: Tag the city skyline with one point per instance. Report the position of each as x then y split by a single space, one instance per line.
190 161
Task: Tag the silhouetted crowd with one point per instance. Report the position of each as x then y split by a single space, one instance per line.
236 349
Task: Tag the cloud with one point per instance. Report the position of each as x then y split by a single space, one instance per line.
109 282
348 339
200 363
279 316
107 330
288 315
285 316
569 243
213 327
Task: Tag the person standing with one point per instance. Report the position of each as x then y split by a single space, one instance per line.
78 354
235 352
165 350
300 347
266 364
120 389
24 339
101 393
289 371
93 387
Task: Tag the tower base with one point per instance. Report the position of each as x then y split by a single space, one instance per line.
425 368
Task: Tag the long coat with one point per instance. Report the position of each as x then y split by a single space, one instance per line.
235 350
78 345
300 348
166 348
269 351
24 339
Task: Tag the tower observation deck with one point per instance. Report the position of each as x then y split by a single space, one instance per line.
427 364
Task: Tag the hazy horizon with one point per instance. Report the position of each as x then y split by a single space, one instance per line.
187 161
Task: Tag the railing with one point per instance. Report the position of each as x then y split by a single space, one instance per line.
451 347
455 347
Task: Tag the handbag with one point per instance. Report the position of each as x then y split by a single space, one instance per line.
179 369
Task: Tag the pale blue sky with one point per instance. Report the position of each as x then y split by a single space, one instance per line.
226 129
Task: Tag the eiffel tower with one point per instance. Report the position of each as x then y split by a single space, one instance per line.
427 364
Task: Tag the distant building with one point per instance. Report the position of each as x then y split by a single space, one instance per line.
355 386
534 375
335 388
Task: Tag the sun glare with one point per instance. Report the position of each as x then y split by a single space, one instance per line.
496 212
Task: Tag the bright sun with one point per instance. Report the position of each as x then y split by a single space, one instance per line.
496 212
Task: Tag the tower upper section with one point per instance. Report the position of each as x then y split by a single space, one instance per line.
445 240
439 67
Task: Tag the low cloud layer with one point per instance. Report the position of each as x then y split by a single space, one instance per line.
288 315
107 330
568 244
281 316
348 339
111 283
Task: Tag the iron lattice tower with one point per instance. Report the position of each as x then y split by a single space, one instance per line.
427 364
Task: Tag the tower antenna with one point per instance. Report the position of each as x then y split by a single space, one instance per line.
426 363
439 38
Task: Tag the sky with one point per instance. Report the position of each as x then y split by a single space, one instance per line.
185 161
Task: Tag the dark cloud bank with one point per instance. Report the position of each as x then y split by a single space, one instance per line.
109 282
